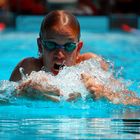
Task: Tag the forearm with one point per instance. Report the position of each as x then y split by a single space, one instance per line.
87 56
121 97
33 89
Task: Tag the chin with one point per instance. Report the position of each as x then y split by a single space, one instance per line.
55 72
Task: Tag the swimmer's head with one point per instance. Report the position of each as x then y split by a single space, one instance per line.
61 22
59 42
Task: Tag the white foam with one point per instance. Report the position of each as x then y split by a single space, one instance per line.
69 79
6 89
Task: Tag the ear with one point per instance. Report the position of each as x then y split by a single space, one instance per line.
39 45
79 47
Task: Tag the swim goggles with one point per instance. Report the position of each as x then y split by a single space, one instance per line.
50 46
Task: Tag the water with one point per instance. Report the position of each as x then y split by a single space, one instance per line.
71 128
36 119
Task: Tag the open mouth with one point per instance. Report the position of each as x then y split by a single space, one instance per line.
58 66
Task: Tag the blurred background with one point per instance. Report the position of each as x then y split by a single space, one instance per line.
80 7
10 9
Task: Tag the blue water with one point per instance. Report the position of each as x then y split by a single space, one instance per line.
34 119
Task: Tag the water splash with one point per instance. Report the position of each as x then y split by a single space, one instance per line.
23 75
68 80
6 91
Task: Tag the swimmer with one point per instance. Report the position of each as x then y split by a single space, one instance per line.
130 29
59 45
99 91
2 26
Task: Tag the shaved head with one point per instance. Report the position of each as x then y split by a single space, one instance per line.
60 21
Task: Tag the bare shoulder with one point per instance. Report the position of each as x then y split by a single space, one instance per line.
87 56
29 65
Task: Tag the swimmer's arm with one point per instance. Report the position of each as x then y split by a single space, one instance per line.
16 76
74 96
28 66
87 56
98 91
32 89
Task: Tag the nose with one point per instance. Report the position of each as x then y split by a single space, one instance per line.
59 54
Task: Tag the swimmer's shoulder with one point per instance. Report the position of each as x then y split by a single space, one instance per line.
87 56
28 64
31 63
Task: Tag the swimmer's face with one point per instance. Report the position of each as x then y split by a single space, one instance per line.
55 59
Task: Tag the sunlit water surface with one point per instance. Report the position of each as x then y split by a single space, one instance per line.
83 119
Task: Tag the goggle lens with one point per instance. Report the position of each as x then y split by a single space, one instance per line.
69 47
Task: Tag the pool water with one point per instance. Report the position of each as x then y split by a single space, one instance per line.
36 119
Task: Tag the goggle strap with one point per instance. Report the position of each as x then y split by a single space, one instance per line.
60 46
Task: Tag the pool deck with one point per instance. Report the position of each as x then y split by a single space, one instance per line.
28 23
94 23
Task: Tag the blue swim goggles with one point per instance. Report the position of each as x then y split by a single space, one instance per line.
50 46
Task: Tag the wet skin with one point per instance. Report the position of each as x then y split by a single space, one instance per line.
55 59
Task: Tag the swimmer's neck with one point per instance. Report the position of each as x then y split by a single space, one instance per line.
52 71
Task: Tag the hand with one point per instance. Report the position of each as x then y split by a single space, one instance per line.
73 96
92 85
33 89
104 65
